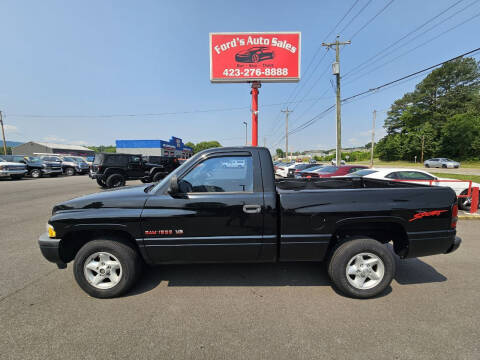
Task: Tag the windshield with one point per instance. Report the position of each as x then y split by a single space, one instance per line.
313 168
33 158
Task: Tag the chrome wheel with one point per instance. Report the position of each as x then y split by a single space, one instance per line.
365 271
102 270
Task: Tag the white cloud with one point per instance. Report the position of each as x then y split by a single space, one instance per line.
10 129
54 139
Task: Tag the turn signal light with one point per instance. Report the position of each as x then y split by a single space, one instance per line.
51 231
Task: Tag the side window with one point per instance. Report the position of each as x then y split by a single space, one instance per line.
394 175
135 159
220 174
415 175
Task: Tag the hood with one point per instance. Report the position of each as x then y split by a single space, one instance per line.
130 197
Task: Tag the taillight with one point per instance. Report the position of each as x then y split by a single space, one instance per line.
454 216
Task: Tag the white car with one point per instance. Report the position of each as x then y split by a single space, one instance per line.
282 169
421 177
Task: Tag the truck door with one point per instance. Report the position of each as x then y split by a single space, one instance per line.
216 217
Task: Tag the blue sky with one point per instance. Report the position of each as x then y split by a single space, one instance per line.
65 58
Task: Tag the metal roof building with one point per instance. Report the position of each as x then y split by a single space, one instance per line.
173 147
33 147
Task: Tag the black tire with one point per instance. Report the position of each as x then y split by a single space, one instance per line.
346 252
444 166
427 166
464 203
16 177
129 259
158 176
101 183
70 171
36 173
115 180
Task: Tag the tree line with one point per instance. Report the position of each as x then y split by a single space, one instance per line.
442 114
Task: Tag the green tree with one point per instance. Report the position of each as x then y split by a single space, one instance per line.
451 90
280 153
206 145
461 136
103 148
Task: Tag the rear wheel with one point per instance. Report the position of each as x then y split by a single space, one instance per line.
106 268
361 268
464 203
255 58
36 173
115 180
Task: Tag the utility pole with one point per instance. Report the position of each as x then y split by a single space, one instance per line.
336 72
286 129
3 135
264 141
373 137
246 133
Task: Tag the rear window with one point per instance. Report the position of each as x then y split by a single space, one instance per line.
328 170
363 172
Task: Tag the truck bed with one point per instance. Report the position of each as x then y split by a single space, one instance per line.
340 183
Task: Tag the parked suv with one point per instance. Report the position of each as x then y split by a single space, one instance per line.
113 170
72 165
11 169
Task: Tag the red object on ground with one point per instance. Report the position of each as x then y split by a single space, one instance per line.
474 205
254 93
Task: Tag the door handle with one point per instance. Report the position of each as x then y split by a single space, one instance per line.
252 209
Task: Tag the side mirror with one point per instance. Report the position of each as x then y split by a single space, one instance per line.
173 189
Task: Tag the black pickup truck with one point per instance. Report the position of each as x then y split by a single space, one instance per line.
224 205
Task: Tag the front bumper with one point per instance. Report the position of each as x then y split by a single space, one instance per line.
50 249
7 173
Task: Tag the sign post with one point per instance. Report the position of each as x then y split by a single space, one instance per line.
254 58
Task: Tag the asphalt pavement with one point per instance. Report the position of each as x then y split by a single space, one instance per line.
217 311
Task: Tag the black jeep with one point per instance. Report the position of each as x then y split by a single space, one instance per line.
113 170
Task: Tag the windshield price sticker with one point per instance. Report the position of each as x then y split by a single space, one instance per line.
246 57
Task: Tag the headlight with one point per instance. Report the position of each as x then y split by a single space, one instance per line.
51 231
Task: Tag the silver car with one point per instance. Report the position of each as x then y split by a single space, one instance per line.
441 163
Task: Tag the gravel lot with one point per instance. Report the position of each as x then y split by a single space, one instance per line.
277 311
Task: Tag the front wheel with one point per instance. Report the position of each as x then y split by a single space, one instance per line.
36 173
69 171
101 183
361 268
107 268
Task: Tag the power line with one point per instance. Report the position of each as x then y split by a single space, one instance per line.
373 18
372 90
413 49
355 16
402 38
154 114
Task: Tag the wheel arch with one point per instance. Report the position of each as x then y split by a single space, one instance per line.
381 229
73 241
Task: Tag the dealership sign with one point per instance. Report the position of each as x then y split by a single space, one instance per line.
248 57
